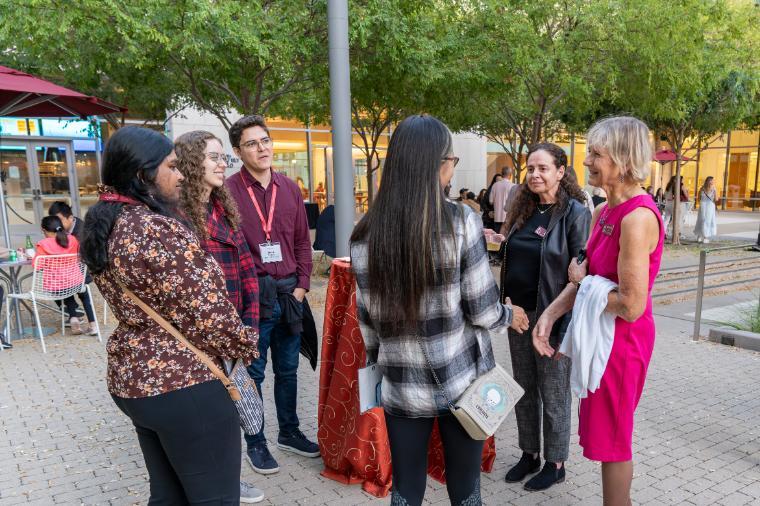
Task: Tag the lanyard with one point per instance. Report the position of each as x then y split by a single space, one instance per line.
265 224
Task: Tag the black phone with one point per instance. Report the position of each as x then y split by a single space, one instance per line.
581 256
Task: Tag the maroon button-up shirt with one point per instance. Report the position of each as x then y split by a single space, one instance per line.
290 227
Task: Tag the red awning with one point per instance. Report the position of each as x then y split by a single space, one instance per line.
22 94
667 155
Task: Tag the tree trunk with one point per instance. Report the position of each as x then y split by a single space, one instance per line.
370 186
677 200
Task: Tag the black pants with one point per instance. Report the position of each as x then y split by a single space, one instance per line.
190 439
71 305
409 448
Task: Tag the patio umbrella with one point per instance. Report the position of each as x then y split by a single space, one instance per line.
668 155
23 94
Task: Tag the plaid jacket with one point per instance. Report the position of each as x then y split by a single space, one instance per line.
230 250
455 320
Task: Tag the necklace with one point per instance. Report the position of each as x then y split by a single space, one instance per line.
548 206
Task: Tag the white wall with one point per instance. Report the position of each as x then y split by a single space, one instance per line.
471 171
193 119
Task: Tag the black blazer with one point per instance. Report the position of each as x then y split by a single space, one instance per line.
566 235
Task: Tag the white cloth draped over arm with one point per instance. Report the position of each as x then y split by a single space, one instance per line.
590 335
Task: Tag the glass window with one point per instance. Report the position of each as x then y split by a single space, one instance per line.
740 182
321 152
86 164
291 157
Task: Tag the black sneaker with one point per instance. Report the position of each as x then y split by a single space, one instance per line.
261 460
297 443
526 465
548 476
6 345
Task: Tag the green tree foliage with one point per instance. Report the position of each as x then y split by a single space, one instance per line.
162 54
691 71
394 48
526 70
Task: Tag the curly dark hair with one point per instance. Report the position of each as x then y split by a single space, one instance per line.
526 201
236 130
190 156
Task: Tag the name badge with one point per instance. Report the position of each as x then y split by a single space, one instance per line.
540 232
607 229
270 252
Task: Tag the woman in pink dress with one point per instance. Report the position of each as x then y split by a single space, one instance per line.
625 246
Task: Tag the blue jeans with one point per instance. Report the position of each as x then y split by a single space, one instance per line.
285 347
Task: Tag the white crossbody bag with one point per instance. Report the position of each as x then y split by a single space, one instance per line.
485 404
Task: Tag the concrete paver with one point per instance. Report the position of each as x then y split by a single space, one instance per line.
697 440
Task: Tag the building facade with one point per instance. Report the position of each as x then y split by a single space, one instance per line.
43 160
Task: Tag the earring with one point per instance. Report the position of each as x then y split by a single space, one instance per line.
622 178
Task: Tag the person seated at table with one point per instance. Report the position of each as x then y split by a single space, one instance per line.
426 298
73 226
58 242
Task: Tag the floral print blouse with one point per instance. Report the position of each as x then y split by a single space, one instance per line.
162 262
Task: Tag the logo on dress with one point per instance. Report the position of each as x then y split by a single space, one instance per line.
607 229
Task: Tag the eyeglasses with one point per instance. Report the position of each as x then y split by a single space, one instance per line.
454 159
259 144
218 157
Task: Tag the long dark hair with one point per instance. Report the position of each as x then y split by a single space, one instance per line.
406 225
526 202
130 164
190 149
53 224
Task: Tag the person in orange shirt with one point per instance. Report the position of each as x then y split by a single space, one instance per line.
58 242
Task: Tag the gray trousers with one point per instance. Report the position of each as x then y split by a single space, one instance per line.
546 382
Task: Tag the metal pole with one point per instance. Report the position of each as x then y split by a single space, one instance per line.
340 108
757 175
700 290
4 212
725 172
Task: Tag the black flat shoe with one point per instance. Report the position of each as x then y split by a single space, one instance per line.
6 345
526 465
548 476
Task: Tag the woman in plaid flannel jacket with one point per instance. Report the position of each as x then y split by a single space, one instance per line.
426 298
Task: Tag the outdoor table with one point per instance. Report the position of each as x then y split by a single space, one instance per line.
354 445
12 279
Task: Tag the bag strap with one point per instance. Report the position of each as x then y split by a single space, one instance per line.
435 376
231 388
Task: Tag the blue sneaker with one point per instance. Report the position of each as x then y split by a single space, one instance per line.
260 459
297 443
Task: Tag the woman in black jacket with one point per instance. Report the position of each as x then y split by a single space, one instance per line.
548 225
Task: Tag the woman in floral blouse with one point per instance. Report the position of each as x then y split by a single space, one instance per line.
187 426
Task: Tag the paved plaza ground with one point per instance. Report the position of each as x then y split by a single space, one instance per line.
697 439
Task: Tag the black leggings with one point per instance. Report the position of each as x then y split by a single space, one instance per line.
409 449
190 439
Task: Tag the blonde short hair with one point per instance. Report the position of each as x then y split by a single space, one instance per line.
626 139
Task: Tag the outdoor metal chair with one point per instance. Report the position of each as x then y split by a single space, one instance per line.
54 277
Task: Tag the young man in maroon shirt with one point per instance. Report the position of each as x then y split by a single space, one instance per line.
273 221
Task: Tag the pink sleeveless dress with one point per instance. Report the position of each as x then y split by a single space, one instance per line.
605 422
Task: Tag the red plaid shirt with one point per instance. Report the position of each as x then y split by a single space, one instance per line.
230 250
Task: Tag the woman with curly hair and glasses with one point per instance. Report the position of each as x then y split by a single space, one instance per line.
546 227
212 211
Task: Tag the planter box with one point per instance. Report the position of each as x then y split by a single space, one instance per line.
738 338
